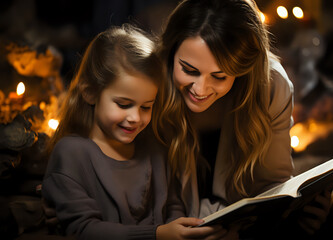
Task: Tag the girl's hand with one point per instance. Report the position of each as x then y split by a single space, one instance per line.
181 228
315 213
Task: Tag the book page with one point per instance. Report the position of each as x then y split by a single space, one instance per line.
291 186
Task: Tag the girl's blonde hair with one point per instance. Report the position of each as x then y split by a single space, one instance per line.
239 41
111 52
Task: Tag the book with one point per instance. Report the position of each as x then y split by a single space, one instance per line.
277 203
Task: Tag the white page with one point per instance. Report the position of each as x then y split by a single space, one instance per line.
291 186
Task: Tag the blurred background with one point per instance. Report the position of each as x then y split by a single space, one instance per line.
42 41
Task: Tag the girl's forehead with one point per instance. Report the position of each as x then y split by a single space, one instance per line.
133 84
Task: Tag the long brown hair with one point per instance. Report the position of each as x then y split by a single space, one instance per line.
239 41
117 49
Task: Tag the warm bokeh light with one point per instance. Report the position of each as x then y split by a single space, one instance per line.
282 12
53 123
298 12
262 17
294 141
20 89
305 133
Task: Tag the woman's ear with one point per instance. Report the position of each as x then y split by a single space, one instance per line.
87 94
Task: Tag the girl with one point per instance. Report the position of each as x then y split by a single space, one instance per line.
227 105
106 177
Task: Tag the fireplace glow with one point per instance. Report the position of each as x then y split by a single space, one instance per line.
53 124
20 89
304 133
294 141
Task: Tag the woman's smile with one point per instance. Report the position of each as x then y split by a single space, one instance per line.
197 75
196 98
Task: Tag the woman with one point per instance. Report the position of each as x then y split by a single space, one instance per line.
227 104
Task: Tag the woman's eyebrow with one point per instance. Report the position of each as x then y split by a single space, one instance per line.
217 72
189 65
150 101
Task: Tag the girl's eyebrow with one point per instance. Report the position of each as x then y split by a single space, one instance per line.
131 100
189 65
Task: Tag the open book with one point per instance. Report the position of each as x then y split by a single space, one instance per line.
278 202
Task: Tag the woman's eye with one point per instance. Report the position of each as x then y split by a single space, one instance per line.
219 78
124 106
189 72
146 108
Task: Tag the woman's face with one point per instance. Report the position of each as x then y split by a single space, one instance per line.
197 75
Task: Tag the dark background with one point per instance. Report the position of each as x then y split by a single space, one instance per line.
304 45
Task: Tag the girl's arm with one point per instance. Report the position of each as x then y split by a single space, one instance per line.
80 215
183 228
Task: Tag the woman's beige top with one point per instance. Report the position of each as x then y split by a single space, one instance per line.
278 165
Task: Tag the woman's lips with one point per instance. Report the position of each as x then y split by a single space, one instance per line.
196 98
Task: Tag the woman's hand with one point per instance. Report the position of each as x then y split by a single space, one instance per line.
315 213
182 228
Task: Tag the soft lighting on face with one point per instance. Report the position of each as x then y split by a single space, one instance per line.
294 141
53 123
282 12
20 89
298 12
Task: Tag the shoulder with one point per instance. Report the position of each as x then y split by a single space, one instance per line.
281 88
280 82
71 152
72 142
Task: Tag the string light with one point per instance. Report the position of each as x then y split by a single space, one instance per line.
282 12
298 12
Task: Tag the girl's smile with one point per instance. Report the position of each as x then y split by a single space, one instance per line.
128 130
124 109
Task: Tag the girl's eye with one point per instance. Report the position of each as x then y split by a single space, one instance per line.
192 73
124 106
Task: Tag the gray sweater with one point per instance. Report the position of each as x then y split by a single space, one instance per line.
97 197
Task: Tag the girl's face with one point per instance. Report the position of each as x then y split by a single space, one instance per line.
197 75
124 109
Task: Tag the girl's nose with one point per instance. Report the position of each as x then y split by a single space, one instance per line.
134 115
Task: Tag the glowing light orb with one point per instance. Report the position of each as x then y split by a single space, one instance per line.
294 141
53 124
298 12
282 12
20 89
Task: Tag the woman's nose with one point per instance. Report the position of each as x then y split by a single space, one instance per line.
200 86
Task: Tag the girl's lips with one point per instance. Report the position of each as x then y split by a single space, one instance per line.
127 130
